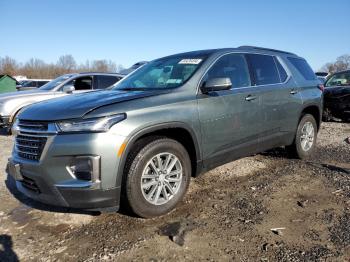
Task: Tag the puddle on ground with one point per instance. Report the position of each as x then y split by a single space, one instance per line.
21 215
53 230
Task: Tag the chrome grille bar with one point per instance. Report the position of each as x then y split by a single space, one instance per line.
31 138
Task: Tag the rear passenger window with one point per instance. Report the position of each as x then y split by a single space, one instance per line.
233 66
106 81
264 69
281 71
303 67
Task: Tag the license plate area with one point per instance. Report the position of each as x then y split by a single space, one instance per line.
15 170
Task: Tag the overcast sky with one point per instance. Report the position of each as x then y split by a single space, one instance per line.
134 30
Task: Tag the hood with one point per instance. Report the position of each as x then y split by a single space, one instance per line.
20 94
77 106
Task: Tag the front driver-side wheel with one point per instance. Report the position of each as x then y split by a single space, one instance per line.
158 178
305 138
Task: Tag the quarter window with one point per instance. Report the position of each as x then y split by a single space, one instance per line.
233 66
264 69
303 67
106 81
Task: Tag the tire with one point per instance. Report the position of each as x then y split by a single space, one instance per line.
299 149
141 173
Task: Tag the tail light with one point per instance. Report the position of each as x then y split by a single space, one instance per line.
321 87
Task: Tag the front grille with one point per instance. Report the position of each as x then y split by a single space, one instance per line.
30 147
32 125
31 139
30 184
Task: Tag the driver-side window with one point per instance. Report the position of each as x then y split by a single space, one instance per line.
233 66
81 83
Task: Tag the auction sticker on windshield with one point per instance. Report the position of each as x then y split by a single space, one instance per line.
190 61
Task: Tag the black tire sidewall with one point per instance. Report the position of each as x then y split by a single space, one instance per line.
136 200
300 152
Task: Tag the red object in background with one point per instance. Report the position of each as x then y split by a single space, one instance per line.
321 87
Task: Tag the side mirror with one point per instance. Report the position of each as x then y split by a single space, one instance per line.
68 89
216 84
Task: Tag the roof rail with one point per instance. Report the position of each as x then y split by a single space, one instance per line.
263 48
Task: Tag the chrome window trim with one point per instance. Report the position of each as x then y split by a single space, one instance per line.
244 52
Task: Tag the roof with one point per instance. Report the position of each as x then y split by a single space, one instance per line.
248 47
240 48
1 76
100 73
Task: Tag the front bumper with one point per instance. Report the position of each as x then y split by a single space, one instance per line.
49 180
84 198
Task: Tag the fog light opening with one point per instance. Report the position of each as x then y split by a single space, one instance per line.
86 168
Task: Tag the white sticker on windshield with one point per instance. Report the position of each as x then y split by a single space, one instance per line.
190 61
174 81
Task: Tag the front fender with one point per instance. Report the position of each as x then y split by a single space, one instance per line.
130 142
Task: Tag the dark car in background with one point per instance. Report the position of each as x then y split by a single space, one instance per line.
337 96
31 84
322 76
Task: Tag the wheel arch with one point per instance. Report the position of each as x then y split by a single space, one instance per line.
313 110
178 131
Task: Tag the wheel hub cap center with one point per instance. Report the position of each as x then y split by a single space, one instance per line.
161 177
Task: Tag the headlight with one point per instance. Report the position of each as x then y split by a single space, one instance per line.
102 124
15 127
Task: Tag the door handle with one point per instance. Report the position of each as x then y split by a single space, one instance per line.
293 92
250 98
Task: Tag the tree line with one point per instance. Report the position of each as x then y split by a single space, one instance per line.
37 68
340 64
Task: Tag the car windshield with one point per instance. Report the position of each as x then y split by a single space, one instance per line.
164 73
52 84
339 79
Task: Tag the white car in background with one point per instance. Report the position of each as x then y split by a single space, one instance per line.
11 103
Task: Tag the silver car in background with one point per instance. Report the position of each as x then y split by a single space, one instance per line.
12 103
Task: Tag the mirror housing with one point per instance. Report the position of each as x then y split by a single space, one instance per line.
216 84
68 89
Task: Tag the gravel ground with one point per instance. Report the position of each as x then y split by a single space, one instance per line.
261 208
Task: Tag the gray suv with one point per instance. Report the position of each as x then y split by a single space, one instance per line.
172 119
12 103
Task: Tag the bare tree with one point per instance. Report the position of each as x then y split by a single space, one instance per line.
66 64
103 66
342 63
8 66
34 68
37 68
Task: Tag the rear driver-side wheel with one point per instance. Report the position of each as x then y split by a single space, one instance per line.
158 178
305 138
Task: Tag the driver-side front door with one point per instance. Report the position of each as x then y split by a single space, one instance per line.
230 118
